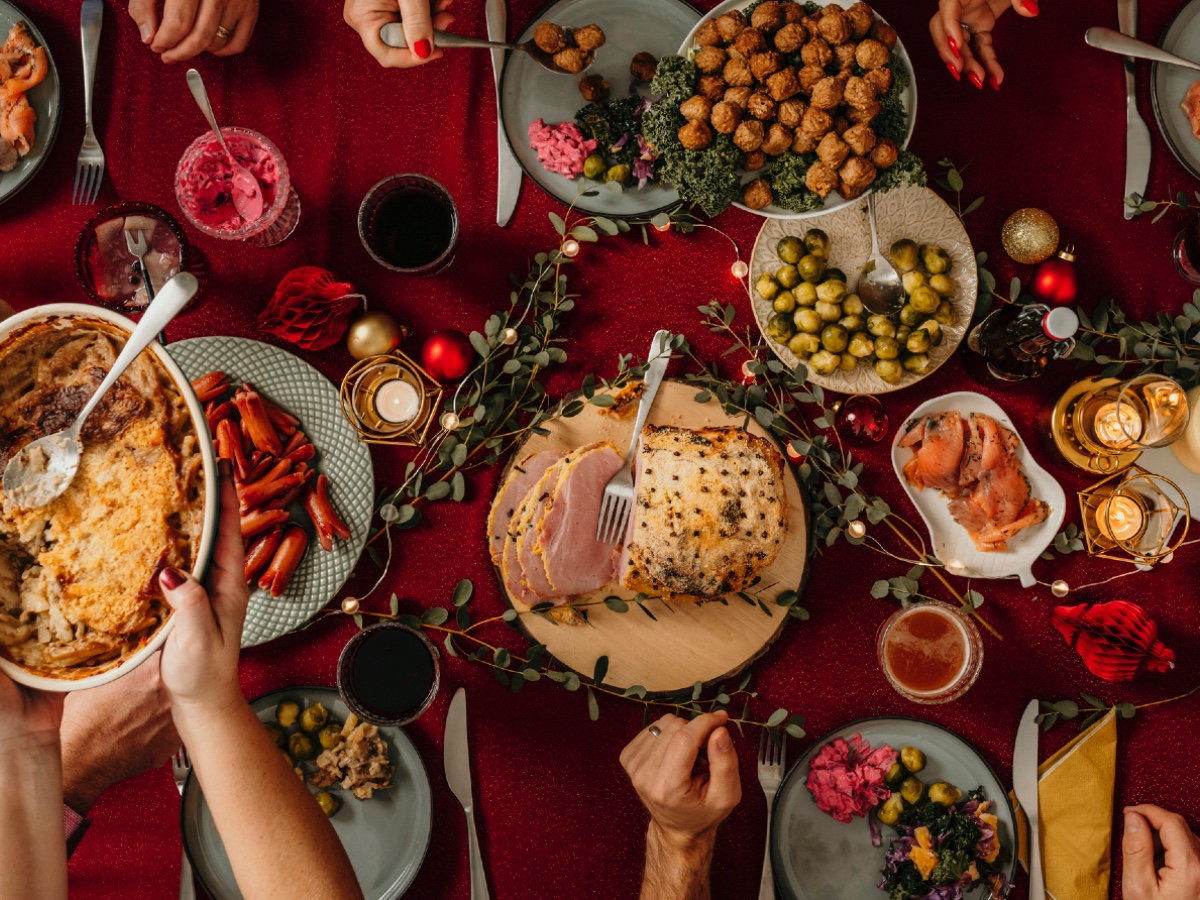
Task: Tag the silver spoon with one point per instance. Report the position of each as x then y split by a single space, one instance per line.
879 285
247 193
392 34
1115 42
43 469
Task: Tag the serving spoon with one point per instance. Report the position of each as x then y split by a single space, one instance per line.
1115 42
392 34
43 469
247 192
879 284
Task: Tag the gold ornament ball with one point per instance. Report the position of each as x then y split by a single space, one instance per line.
1029 236
1060 589
374 334
350 606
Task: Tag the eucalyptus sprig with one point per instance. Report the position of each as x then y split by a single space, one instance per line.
1111 338
1094 707
951 180
1140 205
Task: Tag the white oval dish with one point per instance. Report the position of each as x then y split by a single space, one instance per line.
950 540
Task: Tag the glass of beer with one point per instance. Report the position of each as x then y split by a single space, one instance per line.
931 652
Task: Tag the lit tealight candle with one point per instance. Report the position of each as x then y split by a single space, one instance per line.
1117 428
1120 518
397 401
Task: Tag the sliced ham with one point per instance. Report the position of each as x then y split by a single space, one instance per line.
524 476
533 573
510 563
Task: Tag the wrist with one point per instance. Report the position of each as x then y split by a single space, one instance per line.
688 845
201 715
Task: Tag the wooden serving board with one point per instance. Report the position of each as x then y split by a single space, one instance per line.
689 642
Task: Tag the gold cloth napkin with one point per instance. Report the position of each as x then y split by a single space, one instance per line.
1075 802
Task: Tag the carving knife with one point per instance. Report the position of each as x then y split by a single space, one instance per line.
1025 786
458 776
1137 135
508 171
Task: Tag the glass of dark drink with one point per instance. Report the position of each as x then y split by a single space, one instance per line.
409 224
931 652
388 674
1186 252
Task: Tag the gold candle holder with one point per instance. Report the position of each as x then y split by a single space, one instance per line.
1132 516
390 399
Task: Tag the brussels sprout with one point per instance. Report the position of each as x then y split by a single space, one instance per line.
329 804
881 326
301 747
911 789
784 302
861 345
787 275
909 315
913 280
903 332
917 341
943 793
945 314
287 712
904 255
935 260
918 363
889 370
618 173
804 344
852 305
766 286
811 268
594 166
913 759
834 338
823 362
314 718
943 284
887 347
834 275
816 242
330 736
830 312
924 300
934 329
789 249
278 735
805 294
831 291
780 328
853 323
808 320
889 813
896 774
848 362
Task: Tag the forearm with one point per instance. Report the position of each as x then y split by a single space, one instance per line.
268 820
677 868
31 831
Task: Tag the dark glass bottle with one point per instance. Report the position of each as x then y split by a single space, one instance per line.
1017 342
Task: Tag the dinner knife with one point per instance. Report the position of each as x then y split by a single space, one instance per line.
508 183
1025 786
458 776
1137 135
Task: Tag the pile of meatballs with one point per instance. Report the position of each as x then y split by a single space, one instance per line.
572 51
784 81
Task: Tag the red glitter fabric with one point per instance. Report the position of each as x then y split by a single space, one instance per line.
557 816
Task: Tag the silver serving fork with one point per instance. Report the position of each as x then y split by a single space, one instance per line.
89 165
618 493
180 767
772 751
136 242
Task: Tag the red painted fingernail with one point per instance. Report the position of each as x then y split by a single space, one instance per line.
993 82
976 80
953 44
422 48
953 71
1030 6
172 578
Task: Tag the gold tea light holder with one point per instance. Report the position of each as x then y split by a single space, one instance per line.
390 399
1134 516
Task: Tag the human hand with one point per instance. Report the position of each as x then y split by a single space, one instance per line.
683 804
189 27
973 53
113 732
28 718
1179 876
368 16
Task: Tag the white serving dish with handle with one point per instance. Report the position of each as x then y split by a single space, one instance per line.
70 314
950 540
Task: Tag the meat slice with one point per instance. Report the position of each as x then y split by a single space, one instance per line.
1191 107
521 480
937 442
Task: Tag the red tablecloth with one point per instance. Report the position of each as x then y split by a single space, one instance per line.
558 818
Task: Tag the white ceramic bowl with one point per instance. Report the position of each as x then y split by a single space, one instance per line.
70 313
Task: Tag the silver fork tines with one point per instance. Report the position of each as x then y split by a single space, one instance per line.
772 752
180 767
89 165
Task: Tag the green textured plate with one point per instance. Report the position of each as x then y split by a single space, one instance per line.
308 395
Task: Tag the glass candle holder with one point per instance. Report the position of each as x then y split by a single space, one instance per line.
930 652
388 674
409 224
1134 516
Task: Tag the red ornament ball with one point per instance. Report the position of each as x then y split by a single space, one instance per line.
1054 281
447 355
861 420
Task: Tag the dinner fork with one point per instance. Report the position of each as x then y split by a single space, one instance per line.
89 165
180 767
618 493
772 750
136 242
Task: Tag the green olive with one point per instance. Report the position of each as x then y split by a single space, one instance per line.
943 284
804 344
805 294
904 255
287 712
887 347
787 275
329 804
817 242
780 328
852 305
889 370
917 341
811 268
831 291
911 789
889 813
935 260
924 300
828 311
594 166
824 363
896 774
852 323
934 330
848 362
789 249
619 173
945 314
808 321
278 735
917 363
301 747
784 302
766 286
834 275
834 338
314 718
330 736
861 345
881 326
909 315
943 793
913 280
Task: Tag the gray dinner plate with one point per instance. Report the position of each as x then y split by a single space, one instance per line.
46 100
817 857
385 837
528 92
1169 85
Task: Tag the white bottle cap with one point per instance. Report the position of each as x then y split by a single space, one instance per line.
1060 323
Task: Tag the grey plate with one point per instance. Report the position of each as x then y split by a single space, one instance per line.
386 837
817 857
528 92
309 395
1169 84
46 100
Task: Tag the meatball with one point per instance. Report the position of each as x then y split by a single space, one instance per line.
731 25
861 18
884 33
571 59
783 84
790 112
726 116
593 87
816 122
865 114
885 153
843 56
550 38
708 34
761 106
758 193
827 94
589 38
767 16
710 60
695 135
778 140
766 63
711 86
841 125
834 26
803 142
696 108
812 24
859 92
738 96
861 138
644 66
855 173
790 38
749 42
753 160
793 13
737 73
808 78
749 135
821 179
832 150
816 53
871 54
880 79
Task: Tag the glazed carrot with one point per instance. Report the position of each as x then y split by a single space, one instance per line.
283 564
210 386
260 553
324 517
260 520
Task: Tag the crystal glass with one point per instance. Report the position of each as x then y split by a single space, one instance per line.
1144 412
409 224
930 652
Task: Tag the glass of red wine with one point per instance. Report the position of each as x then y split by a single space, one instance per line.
409 224
388 674
1186 252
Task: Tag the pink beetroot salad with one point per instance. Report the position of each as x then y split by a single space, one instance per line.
846 777
561 148
205 188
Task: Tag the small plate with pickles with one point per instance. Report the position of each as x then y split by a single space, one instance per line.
802 280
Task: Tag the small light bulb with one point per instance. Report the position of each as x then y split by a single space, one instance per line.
388 512
663 229
794 455
1060 588
747 372
856 529
510 336
449 421
955 567
570 248
1166 559
350 606
739 269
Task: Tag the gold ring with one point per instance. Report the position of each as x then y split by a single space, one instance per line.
224 33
